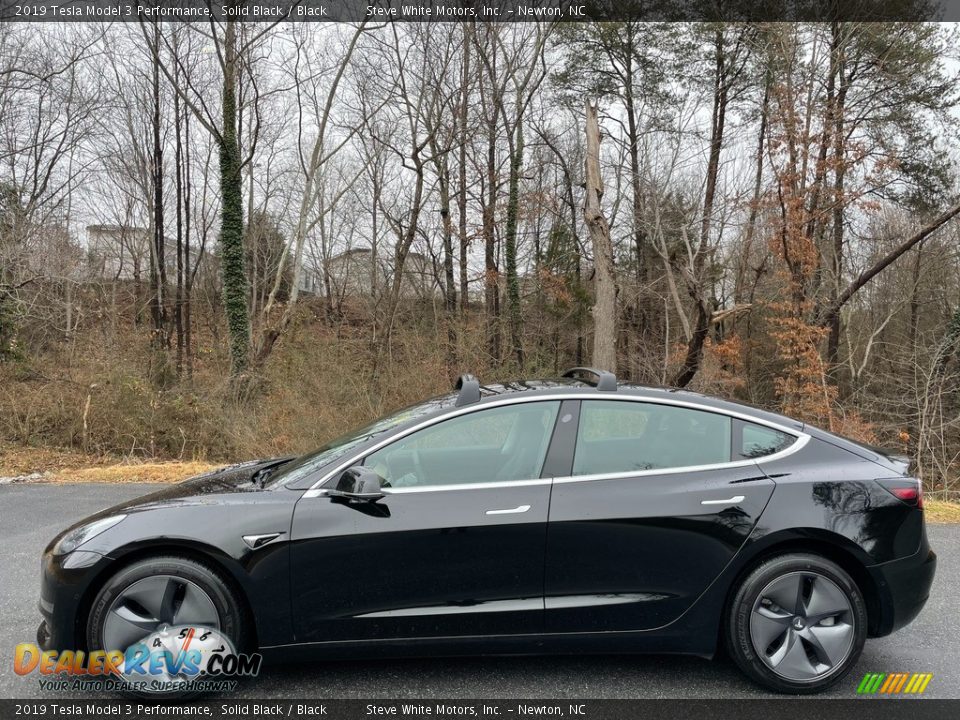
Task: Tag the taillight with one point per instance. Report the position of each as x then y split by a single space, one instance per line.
909 490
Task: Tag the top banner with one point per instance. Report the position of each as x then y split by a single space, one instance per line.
381 11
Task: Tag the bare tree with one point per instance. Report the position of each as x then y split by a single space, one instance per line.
605 277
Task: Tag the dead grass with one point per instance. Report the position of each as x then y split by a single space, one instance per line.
162 472
941 511
16 460
62 466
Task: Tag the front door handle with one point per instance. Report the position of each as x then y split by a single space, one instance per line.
510 511
726 501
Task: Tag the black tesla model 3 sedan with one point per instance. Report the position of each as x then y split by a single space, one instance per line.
570 515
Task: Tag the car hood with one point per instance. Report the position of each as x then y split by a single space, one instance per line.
200 489
209 488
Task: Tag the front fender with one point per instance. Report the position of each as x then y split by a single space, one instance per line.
210 531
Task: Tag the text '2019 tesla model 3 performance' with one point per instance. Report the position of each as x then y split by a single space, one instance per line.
570 515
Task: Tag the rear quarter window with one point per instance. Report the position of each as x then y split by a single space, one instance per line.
757 441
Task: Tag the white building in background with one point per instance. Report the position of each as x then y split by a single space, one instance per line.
309 282
352 274
118 252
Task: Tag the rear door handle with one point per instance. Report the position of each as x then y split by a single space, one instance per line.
726 501
510 511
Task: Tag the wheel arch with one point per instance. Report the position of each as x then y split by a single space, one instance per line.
832 546
198 552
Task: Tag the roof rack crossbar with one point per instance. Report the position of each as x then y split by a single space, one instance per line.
605 381
469 390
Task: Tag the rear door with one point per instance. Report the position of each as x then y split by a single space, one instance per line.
653 509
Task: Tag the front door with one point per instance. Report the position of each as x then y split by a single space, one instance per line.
652 512
456 548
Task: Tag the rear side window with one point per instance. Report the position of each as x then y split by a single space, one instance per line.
622 436
757 441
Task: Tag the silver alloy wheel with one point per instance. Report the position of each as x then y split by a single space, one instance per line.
153 603
802 626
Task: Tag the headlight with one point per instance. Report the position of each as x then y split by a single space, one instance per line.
78 536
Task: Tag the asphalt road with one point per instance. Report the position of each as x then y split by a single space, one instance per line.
31 514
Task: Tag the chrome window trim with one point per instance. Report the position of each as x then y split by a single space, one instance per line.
454 486
802 439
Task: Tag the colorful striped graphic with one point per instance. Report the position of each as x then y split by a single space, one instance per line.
894 683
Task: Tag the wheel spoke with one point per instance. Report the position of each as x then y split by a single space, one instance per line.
776 657
826 600
766 626
830 642
172 593
786 592
148 594
792 661
123 627
196 609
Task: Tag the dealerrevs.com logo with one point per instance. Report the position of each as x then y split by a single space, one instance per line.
174 660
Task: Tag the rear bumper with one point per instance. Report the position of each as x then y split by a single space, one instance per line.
903 587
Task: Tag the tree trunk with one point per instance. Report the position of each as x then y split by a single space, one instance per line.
231 223
492 274
178 303
401 251
514 313
605 305
449 282
158 302
374 245
462 169
741 293
697 283
647 314
68 309
840 169
187 272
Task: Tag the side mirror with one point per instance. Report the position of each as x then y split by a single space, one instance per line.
358 483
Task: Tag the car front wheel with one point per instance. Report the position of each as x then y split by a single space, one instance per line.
797 623
156 597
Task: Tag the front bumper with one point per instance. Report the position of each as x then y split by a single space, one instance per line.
43 636
63 588
903 587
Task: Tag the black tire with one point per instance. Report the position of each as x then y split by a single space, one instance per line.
229 610
747 598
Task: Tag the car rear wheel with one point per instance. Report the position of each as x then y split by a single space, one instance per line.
155 595
797 623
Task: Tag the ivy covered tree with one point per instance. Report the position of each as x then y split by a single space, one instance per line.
225 134
234 276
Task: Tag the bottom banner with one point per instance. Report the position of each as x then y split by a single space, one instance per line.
807 708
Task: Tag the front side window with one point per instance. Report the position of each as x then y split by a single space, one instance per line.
501 444
619 436
335 449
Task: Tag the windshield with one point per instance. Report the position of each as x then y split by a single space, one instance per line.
335 449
